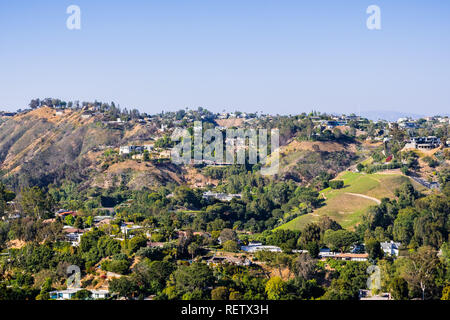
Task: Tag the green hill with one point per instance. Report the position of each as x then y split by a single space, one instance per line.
348 204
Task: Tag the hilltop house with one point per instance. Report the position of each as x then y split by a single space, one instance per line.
7 114
333 124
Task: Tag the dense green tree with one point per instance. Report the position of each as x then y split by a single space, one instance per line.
421 270
193 248
374 250
446 293
399 288
197 276
35 202
231 246
352 277
151 276
45 290
340 239
275 288
404 225
124 287
336 184
5 196
82 295
220 293
311 233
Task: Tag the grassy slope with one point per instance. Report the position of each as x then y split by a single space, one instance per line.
347 209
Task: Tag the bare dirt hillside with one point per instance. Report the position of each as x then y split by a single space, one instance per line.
51 145
232 122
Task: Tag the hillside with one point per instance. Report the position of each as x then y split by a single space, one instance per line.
305 160
347 205
45 145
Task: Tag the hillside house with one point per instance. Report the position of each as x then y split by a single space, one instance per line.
153 244
220 196
103 222
426 143
326 253
73 235
101 218
352 256
7 114
126 227
367 295
64 213
251 248
238 261
409 125
70 293
136 149
333 124
390 248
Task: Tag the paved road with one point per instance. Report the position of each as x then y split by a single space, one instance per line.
426 184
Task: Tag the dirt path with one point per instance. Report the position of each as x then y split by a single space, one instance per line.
364 196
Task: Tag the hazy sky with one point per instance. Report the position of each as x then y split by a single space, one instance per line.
274 56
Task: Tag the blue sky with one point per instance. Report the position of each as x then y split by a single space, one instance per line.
279 56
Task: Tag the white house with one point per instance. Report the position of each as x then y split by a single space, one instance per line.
70 293
73 235
326 253
220 196
254 248
390 248
138 149
352 256
124 150
126 227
